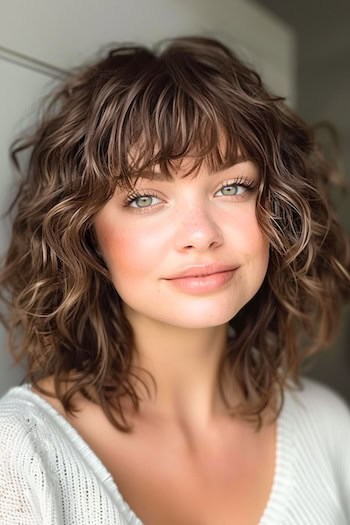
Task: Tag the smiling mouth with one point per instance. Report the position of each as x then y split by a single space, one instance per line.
211 282
205 270
202 276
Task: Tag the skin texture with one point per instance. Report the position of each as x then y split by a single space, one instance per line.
199 219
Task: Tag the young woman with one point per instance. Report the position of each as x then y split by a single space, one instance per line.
174 259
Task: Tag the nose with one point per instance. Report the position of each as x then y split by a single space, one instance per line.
197 230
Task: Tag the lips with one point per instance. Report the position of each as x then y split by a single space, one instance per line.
204 279
202 270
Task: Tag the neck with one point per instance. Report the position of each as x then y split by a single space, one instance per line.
185 365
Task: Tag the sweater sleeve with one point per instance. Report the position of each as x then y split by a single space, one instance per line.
27 494
17 500
332 416
341 447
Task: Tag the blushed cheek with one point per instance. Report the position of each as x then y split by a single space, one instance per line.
117 251
127 256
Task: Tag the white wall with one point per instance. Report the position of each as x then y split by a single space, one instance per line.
20 88
65 33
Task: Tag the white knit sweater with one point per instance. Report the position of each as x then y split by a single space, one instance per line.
50 476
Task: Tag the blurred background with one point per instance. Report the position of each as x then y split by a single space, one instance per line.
301 49
322 70
322 94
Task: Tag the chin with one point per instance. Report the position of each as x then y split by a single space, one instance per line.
191 313
197 320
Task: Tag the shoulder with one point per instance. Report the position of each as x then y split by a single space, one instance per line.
43 465
317 420
320 412
22 452
20 425
15 419
29 432
320 399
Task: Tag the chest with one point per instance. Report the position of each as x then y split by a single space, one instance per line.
220 485
193 498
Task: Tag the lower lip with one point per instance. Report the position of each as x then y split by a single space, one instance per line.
203 284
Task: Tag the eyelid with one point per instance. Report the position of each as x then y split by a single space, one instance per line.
244 181
250 184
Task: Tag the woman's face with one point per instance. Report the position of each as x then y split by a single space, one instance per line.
202 224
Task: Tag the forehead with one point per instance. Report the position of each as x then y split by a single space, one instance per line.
174 168
187 166
144 159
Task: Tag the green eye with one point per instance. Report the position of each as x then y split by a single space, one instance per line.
138 201
142 202
233 189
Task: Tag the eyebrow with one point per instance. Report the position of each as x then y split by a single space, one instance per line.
157 175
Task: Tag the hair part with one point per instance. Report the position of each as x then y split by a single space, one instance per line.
108 122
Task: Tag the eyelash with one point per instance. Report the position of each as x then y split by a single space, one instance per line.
248 184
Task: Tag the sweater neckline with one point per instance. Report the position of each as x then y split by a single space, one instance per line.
276 505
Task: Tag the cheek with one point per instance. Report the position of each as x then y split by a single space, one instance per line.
259 251
249 239
258 244
254 248
127 252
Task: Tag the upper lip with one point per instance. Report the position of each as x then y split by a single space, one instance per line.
202 270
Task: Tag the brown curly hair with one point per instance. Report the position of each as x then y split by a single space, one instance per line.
107 122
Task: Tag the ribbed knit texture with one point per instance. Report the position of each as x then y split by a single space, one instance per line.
50 476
